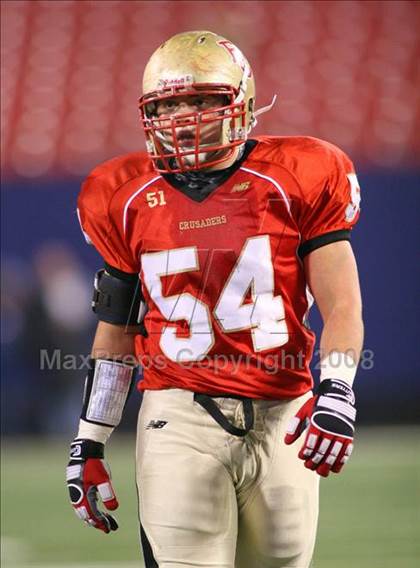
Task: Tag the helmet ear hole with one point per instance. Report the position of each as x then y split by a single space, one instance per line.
251 105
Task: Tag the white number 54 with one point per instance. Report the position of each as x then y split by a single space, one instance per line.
253 274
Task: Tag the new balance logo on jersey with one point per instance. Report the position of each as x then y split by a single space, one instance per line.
156 424
241 186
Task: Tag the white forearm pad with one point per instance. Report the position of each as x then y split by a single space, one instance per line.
107 391
95 432
340 366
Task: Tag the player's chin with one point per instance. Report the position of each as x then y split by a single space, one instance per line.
191 159
203 158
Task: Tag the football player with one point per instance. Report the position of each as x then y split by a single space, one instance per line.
214 245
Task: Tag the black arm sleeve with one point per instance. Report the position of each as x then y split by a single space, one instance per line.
325 239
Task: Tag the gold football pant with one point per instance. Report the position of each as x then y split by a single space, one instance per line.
208 498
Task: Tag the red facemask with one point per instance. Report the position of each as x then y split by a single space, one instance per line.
177 143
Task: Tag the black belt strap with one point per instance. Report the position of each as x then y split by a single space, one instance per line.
212 408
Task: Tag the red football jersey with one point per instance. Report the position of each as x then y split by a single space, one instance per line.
224 284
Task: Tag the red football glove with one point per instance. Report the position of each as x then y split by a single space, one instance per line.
330 415
87 474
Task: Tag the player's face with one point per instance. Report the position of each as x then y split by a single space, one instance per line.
182 112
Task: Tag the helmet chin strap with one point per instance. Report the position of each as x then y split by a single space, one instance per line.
260 111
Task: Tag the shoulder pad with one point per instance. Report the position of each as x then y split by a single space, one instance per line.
104 180
313 163
297 152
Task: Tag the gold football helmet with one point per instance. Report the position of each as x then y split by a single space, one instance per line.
191 63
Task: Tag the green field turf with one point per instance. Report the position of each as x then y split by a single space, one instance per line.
370 513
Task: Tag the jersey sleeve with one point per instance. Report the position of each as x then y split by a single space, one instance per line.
101 225
331 205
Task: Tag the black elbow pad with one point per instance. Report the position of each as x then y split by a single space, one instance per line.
117 297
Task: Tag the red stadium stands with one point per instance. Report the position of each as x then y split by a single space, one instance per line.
346 71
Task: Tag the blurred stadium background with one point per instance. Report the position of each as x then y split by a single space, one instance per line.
346 71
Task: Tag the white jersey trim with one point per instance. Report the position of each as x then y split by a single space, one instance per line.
274 182
135 194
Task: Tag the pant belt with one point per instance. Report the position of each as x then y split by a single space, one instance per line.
213 409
